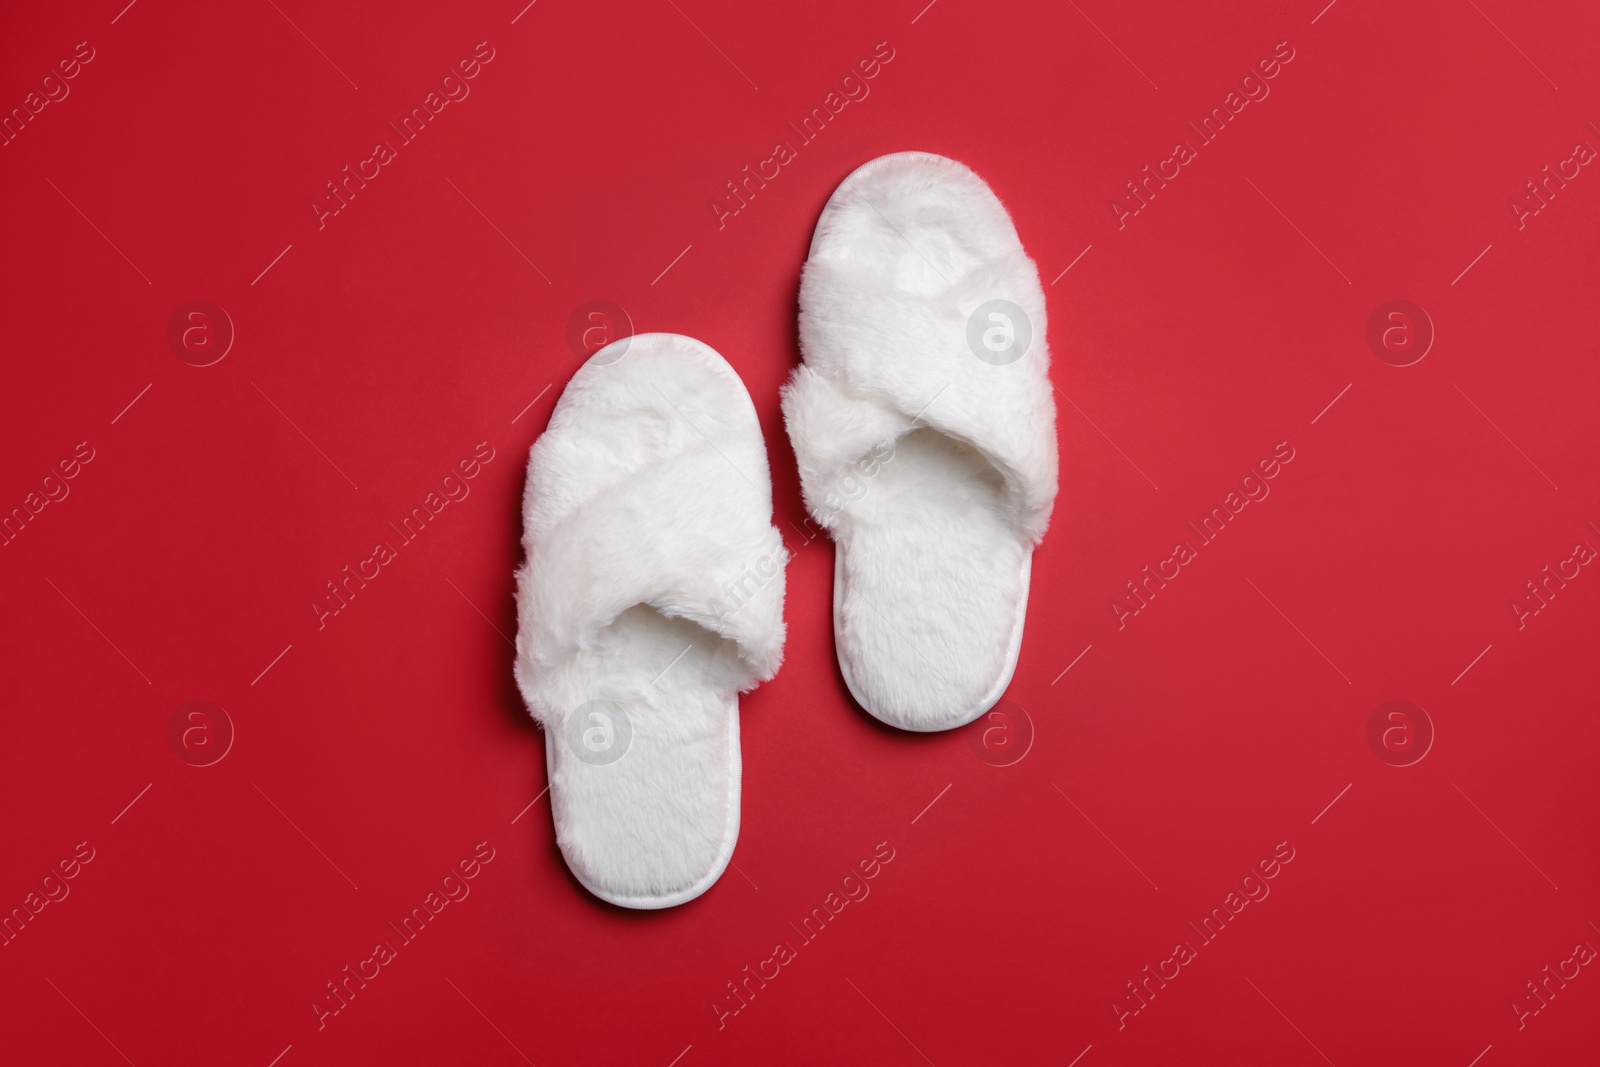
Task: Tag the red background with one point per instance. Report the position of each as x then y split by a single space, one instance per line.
1220 721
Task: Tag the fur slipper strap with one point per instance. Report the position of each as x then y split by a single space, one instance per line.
638 542
970 362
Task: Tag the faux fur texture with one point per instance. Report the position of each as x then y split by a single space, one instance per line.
933 470
654 581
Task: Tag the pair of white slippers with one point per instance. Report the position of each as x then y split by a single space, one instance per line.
924 425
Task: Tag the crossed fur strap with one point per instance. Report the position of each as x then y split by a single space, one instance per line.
690 536
880 362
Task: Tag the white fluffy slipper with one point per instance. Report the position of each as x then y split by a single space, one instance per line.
651 597
924 425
